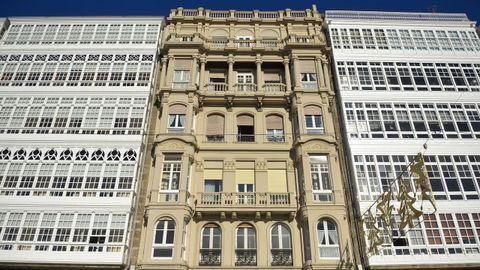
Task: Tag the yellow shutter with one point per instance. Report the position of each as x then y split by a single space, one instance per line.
245 176
213 174
277 181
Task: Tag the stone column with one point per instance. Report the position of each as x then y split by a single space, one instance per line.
193 77
318 64
230 72
296 73
258 62
171 63
326 74
163 72
288 79
203 61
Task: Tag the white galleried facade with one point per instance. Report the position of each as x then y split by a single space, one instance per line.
74 94
405 79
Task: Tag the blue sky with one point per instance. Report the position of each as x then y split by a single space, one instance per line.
162 7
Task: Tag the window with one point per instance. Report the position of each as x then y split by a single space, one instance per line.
432 229
313 120
181 79
245 128
210 249
328 243
215 128
274 125
176 118
319 171
164 237
449 231
244 41
281 245
245 82
309 81
246 246
466 229
170 178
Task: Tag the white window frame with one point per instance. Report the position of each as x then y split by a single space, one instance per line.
323 223
314 128
164 244
318 164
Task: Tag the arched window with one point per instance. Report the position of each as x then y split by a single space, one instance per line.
210 249
176 118
98 155
313 119
274 125
215 128
114 155
5 154
164 238
66 155
50 155
245 128
82 155
20 154
281 245
328 243
130 155
35 155
246 246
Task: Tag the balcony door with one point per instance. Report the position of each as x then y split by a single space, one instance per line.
245 81
249 196
212 189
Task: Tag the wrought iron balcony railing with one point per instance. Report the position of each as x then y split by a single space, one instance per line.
210 257
282 257
245 257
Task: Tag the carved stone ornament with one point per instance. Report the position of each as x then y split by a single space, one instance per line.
173 146
198 165
229 165
260 165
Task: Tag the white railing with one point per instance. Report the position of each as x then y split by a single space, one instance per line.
268 14
217 87
274 88
270 43
217 43
222 14
244 199
219 14
244 43
298 14
243 14
245 87
190 12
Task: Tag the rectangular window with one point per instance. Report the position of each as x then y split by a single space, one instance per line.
181 79
169 186
320 173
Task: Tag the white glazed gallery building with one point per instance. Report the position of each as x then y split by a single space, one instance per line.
74 94
406 79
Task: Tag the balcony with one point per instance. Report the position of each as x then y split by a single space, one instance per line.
240 15
245 257
210 257
217 87
245 87
274 88
245 200
282 257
